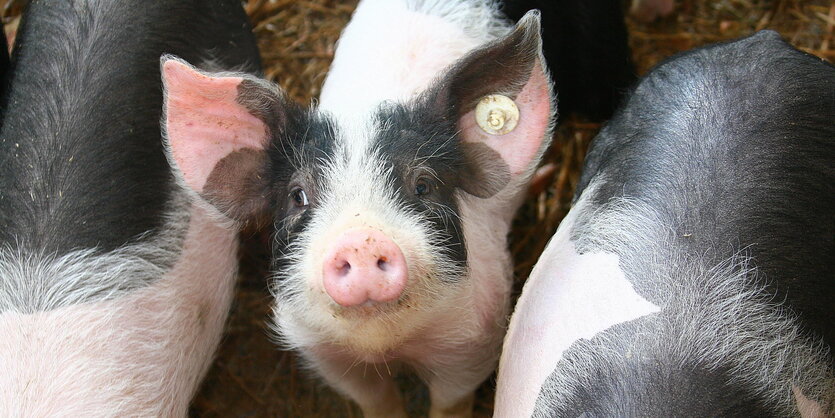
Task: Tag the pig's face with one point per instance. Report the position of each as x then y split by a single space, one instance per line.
368 212
381 198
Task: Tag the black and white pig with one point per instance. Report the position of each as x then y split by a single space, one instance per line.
694 274
113 288
392 200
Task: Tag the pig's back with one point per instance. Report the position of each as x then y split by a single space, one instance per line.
81 162
733 147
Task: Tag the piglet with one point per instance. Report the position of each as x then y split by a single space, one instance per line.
391 201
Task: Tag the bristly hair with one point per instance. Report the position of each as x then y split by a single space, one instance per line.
476 18
289 280
34 281
715 318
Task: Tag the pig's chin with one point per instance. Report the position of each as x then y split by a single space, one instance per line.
380 314
384 327
369 310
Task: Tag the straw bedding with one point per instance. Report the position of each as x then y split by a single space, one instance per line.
253 378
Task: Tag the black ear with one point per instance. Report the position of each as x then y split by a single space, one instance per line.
508 82
267 102
502 67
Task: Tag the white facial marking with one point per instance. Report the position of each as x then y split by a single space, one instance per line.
497 114
568 297
422 38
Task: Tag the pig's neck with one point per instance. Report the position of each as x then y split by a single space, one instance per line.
391 52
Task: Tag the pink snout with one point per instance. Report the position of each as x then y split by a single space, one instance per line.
364 265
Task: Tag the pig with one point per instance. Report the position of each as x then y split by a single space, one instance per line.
693 275
114 289
391 200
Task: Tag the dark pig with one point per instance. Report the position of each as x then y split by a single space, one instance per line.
113 287
694 275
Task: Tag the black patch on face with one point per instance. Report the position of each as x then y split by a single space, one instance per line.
480 170
627 372
418 147
295 159
422 148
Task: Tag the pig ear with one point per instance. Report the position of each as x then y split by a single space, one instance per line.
503 100
216 129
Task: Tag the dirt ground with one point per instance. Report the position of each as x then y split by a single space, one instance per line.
251 376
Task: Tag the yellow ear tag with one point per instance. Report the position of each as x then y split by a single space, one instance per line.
496 114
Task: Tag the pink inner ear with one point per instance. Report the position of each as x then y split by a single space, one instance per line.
519 147
204 121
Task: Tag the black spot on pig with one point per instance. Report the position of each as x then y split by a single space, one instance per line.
627 371
81 158
428 164
296 153
737 155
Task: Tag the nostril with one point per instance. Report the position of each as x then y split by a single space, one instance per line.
344 269
382 263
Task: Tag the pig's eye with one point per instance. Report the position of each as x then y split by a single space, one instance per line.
299 197
422 187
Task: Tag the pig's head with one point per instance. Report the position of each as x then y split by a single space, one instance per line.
377 220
